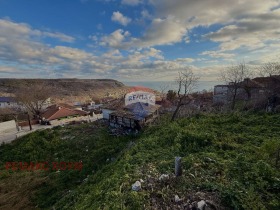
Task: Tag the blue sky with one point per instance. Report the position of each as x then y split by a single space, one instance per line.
135 40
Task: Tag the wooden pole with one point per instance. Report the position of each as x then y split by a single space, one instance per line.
29 121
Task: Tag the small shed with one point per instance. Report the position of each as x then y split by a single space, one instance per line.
107 109
134 115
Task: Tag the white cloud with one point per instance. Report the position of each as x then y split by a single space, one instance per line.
115 39
162 32
185 60
23 30
251 32
208 12
131 2
248 24
20 47
120 18
152 52
145 14
215 54
8 69
60 36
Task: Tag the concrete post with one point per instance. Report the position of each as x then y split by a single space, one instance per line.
178 166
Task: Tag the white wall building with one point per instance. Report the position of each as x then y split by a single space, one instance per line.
8 102
220 93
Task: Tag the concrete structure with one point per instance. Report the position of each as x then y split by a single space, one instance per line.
9 126
134 116
107 109
106 113
220 94
249 89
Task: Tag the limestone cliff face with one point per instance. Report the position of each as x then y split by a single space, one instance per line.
68 90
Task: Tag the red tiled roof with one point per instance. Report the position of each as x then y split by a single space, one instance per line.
60 112
140 88
61 105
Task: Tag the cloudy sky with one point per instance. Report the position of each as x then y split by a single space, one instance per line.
135 40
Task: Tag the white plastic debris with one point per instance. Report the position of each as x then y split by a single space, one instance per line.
177 199
201 205
136 186
164 177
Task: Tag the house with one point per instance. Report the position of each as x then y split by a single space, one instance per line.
249 89
220 94
166 106
57 112
11 102
107 99
271 83
116 104
135 110
134 115
8 102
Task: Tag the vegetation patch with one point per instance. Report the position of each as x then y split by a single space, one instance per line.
229 160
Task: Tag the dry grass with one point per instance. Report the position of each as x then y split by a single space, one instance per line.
17 189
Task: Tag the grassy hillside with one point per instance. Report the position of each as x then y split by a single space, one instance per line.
229 160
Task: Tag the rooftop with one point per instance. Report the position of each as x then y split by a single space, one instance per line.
137 111
7 99
56 112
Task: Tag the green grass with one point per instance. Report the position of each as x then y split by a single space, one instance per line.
86 143
231 156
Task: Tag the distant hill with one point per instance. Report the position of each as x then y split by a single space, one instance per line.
68 90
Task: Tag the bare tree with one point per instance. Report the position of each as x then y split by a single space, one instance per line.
33 97
163 89
270 69
171 95
233 76
186 83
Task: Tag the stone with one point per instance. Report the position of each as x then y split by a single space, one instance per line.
208 159
141 180
177 199
201 205
200 195
164 177
211 204
136 186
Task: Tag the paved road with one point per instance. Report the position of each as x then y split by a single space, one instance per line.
9 137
